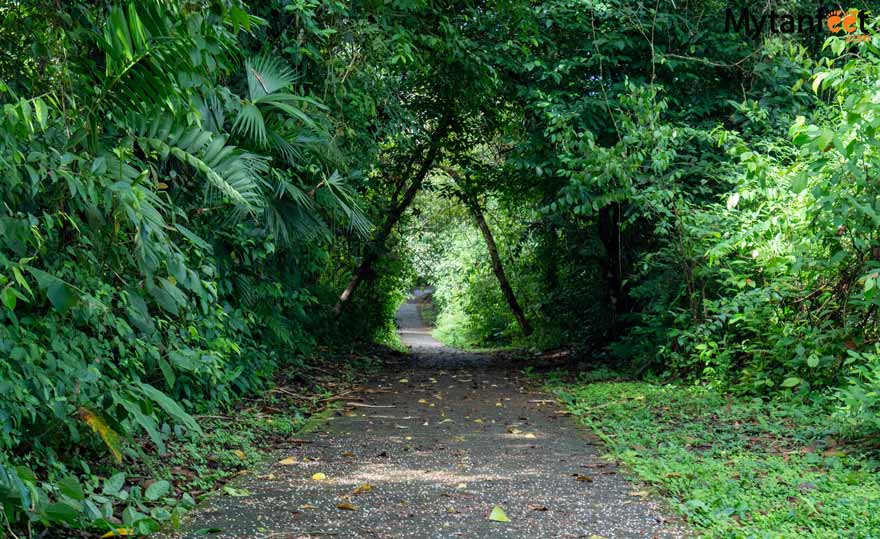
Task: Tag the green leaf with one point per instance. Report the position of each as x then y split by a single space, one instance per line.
157 490
70 487
791 382
813 362
498 515
114 484
9 299
799 182
191 236
62 512
61 296
171 408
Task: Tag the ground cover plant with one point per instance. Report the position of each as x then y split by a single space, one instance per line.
736 467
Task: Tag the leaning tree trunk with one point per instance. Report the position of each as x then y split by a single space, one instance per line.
372 254
515 308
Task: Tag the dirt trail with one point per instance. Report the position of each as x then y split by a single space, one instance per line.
448 436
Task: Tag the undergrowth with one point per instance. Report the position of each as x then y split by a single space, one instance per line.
737 468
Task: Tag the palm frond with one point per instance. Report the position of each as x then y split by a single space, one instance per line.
285 103
343 199
234 173
267 75
250 123
288 150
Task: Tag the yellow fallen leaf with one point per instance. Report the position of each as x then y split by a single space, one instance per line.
119 532
240 454
529 435
513 430
498 515
289 461
640 493
319 476
366 487
423 401
478 420
345 506
498 404
307 506
403 381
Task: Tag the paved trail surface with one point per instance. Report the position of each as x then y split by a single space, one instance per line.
450 437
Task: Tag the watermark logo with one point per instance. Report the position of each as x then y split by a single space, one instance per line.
851 23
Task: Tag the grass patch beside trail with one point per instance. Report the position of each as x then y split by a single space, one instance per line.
736 468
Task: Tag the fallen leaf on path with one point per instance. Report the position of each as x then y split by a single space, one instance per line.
289 461
403 381
366 487
320 476
534 507
478 420
640 493
119 532
307 506
345 506
423 401
584 478
236 492
530 436
498 515
513 430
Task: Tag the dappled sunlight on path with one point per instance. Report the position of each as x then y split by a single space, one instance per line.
433 446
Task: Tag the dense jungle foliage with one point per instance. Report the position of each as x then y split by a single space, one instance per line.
196 194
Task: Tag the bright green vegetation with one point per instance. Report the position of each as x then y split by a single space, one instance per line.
196 195
736 467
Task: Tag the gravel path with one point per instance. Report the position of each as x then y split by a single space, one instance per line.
448 437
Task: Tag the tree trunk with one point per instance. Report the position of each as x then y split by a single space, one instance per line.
517 311
372 254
